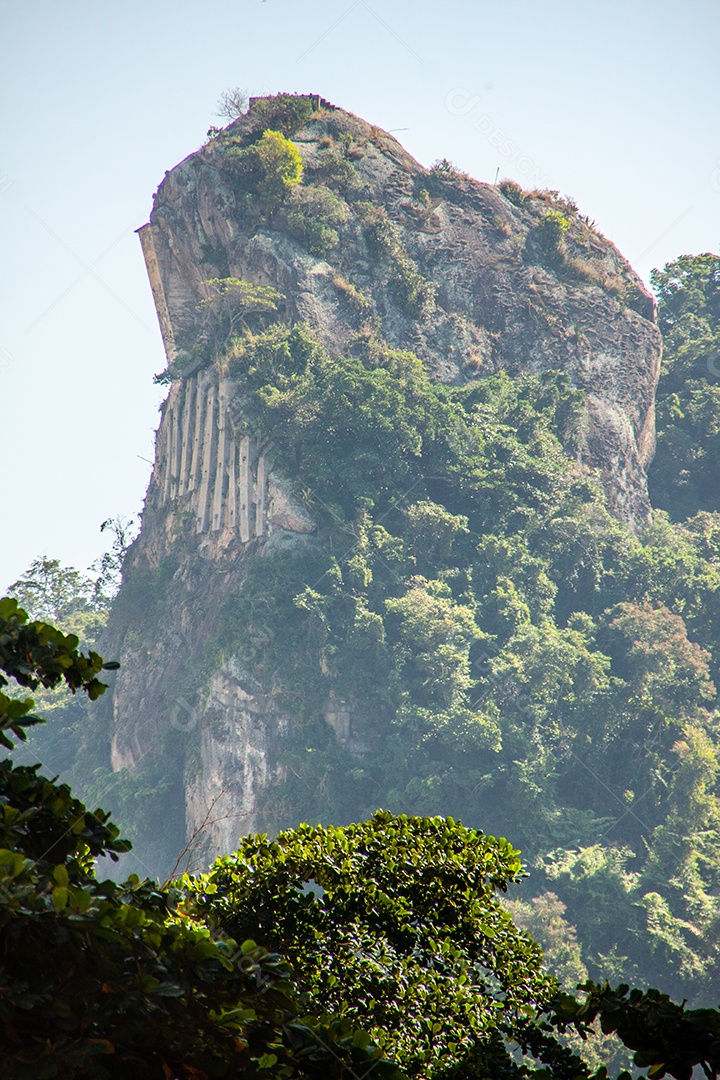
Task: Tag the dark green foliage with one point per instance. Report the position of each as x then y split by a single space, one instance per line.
683 476
504 649
36 654
42 818
414 293
688 292
102 980
349 429
667 1038
286 113
335 168
394 924
550 235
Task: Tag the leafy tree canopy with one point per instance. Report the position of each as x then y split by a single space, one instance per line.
395 924
683 475
502 637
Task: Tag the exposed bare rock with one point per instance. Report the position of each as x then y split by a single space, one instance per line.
500 302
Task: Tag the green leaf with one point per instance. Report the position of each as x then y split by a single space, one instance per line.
60 897
60 875
267 1061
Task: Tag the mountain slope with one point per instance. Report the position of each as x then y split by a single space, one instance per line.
396 549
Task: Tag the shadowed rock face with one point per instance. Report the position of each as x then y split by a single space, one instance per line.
473 278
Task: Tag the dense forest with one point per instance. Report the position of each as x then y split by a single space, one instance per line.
525 664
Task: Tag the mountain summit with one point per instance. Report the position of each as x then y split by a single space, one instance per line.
300 229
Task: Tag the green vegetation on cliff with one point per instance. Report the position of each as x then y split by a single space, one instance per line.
683 477
506 650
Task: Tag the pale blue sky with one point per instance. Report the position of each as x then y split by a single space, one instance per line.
614 103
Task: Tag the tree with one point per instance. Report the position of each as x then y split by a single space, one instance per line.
109 566
232 104
61 595
232 306
667 1038
267 170
395 924
543 918
229 304
280 161
74 601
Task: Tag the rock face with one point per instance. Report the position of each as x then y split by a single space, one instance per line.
473 278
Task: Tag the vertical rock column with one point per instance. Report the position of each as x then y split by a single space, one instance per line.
204 466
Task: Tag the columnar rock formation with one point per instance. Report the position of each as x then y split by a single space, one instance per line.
499 303
217 473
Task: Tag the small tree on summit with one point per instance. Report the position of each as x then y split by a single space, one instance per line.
233 103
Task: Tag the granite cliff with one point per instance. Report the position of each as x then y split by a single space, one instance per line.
472 278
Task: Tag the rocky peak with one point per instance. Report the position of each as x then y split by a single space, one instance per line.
368 247
471 277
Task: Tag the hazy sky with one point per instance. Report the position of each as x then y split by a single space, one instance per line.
614 103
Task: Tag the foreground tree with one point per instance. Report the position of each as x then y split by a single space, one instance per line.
396 925
668 1039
